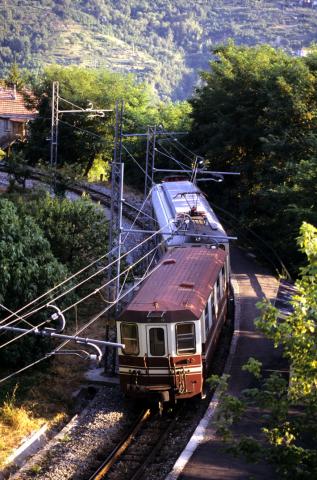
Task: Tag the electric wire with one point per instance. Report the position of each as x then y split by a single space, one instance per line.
168 155
81 329
19 319
96 290
138 214
77 303
178 161
143 213
3 345
102 140
17 372
71 103
171 141
90 294
55 288
249 230
81 283
181 164
67 280
137 163
180 144
73 276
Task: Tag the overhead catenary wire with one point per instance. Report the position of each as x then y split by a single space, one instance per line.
19 319
68 279
111 280
138 214
168 155
84 281
81 271
136 162
93 275
71 103
91 293
18 337
80 330
173 158
174 139
84 131
36 327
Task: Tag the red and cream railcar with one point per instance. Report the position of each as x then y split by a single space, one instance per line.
171 327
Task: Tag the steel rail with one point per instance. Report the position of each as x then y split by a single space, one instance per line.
80 187
119 452
141 471
122 446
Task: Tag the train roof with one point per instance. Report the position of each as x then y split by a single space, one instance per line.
178 200
179 286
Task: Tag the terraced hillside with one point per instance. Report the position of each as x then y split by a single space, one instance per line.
162 42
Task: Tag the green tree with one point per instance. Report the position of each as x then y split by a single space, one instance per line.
255 113
15 77
28 269
84 137
86 141
174 116
77 230
287 407
297 332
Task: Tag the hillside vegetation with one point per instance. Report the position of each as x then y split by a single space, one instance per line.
163 42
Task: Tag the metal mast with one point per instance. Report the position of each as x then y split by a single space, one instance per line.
99 112
115 224
150 159
115 230
54 125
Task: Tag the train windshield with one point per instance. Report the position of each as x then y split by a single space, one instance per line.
157 342
130 337
185 338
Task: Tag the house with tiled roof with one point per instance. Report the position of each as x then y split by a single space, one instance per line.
14 116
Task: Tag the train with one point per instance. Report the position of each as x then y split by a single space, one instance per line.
185 216
172 325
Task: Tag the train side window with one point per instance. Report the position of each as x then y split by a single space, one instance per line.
157 342
218 288
207 317
222 280
224 273
130 337
209 313
220 285
185 338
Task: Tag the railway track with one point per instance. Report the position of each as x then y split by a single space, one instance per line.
129 211
138 448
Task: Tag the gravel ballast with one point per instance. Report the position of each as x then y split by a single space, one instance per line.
75 452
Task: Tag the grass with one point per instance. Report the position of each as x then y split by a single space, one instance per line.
43 395
16 422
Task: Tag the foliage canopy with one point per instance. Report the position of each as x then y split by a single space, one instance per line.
42 239
287 409
255 113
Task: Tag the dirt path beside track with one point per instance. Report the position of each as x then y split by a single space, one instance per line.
210 460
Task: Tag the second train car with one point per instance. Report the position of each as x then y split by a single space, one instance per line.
185 216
